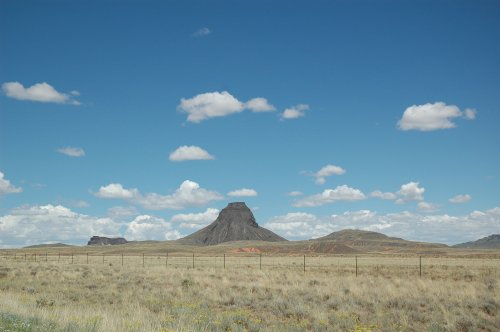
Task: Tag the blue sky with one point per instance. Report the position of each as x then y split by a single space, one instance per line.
145 118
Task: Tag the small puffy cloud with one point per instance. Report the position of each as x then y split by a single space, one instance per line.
28 225
327 171
6 187
295 193
72 152
434 116
146 227
217 104
427 207
470 113
294 112
383 195
202 32
41 92
460 199
116 190
243 192
210 105
188 194
341 193
196 220
259 105
191 152
298 225
410 192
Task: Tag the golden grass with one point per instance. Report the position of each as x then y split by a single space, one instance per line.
454 294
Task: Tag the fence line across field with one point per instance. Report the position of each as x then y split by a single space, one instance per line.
355 264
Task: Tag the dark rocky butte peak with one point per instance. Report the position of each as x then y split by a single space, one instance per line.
235 222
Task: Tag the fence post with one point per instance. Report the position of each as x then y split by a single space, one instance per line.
59 258
122 258
304 263
71 258
24 256
193 260
87 258
260 261
142 259
103 259
356 266
224 261
46 259
420 263
166 261
35 257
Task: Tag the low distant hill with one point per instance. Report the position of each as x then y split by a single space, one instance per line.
234 223
49 245
488 242
373 241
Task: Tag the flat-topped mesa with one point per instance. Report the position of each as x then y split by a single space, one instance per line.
105 241
234 223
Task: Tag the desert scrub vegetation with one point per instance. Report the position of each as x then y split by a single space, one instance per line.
47 296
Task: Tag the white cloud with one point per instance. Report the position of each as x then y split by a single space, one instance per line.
327 171
259 105
341 193
243 192
27 225
209 105
191 152
470 113
42 92
294 112
202 32
116 190
122 213
217 104
460 199
427 207
146 227
188 194
295 193
410 192
435 116
196 220
383 195
6 187
72 152
439 228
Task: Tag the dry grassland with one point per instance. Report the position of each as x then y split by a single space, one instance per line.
388 294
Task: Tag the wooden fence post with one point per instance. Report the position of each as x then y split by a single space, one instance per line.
46 259
166 261
103 259
193 260
122 258
356 266
420 263
142 259
304 263
71 258
224 261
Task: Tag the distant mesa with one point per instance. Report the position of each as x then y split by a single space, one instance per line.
488 242
105 241
234 223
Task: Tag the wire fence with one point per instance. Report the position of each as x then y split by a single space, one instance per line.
419 266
